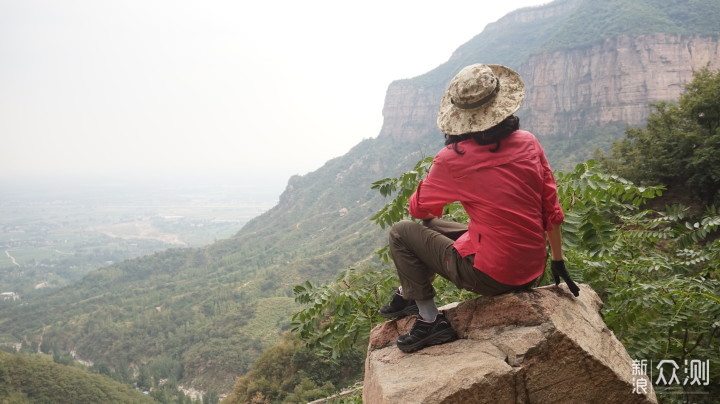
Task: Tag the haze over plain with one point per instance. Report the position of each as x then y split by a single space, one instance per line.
249 92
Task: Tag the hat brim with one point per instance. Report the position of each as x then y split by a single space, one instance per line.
456 121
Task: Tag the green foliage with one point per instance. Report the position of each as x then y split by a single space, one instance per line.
292 372
657 272
680 146
593 202
342 313
166 368
403 186
32 378
150 309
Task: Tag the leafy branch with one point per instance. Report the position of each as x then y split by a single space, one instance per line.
341 313
403 186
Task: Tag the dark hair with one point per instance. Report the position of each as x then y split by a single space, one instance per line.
488 136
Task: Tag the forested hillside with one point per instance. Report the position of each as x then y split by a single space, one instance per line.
208 313
32 379
211 311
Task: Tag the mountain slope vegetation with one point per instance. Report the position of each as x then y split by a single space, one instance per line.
32 379
211 311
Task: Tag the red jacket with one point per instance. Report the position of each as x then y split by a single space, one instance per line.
510 196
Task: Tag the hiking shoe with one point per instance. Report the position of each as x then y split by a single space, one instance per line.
399 307
424 334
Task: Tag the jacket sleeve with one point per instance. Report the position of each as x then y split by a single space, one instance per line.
433 193
552 213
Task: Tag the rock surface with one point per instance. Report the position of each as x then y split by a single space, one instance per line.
540 346
612 81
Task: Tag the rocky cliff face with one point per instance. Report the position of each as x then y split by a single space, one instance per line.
612 81
410 110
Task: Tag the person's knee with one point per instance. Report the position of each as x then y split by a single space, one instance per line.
401 228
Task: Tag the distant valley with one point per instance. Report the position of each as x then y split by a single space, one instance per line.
51 237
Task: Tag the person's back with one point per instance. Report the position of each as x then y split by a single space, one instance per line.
501 176
502 193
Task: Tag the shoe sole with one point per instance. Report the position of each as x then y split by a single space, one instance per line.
410 310
442 337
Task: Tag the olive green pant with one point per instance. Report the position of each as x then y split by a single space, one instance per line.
421 251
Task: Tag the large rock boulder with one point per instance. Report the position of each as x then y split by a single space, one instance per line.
539 346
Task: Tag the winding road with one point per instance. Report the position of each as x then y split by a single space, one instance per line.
7 252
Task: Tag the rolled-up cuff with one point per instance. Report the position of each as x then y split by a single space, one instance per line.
554 218
418 211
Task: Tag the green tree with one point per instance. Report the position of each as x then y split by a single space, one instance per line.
144 381
292 372
341 313
210 397
680 145
34 378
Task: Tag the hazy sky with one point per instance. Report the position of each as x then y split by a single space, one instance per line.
262 89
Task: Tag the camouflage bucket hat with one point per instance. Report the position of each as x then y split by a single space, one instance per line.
480 97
